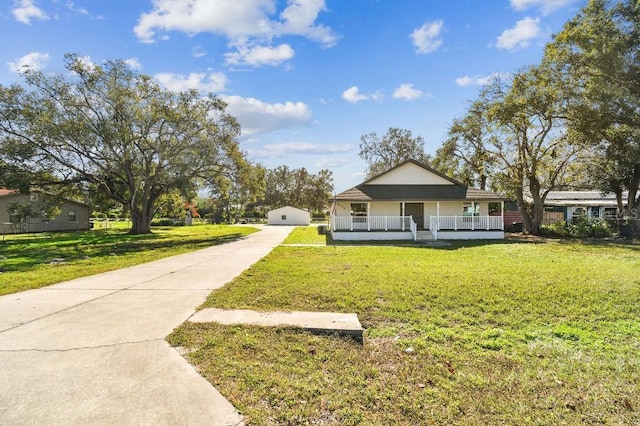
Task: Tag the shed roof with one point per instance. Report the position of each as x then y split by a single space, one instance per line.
287 208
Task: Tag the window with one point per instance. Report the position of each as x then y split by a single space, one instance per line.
72 215
359 212
33 197
283 217
470 209
579 211
611 213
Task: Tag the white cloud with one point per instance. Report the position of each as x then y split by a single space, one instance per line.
260 55
427 38
34 61
545 6
256 116
200 81
25 10
198 52
476 80
407 91
72 7
326 162
300 148
243 23
353 95
133 63
519 36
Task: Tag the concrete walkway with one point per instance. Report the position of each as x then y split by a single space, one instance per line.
92 350
317 322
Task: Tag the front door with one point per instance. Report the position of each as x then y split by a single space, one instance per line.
417 211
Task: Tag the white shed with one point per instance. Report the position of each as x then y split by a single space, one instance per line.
288 216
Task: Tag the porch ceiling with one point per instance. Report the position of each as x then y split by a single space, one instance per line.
416 193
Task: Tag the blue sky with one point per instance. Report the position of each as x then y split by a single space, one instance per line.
305 78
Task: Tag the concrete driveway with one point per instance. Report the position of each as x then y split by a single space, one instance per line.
92 350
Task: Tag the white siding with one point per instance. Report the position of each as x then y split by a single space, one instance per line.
288 216
381 208
409 172
470 235
372 236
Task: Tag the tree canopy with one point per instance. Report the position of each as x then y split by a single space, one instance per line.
395 147
118 131
597 55
298 188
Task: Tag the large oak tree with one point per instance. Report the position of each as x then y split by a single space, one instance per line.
117 131
597 55
395 147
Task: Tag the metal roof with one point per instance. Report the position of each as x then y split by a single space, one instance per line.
582 199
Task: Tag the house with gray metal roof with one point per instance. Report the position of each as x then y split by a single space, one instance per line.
415 202
569 205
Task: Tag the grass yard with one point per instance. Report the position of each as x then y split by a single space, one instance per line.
306 235
30 261
496 333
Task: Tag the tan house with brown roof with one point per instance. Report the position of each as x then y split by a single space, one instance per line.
73 215
415 202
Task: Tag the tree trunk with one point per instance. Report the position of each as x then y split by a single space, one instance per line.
140 222
483 182
536 222
537 209
525 212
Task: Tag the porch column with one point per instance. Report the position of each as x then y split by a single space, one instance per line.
438 213
473 215
368 214
502 215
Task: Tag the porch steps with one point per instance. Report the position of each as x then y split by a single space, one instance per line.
424 235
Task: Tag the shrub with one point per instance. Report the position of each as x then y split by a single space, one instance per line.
558 229
167 222
318 215
586 227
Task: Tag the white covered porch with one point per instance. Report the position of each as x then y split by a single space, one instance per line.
426 223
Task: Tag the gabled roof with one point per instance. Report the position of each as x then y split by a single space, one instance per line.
416 193
419 164
6 192
289 208
367 191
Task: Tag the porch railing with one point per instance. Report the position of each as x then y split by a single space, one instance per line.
372 223
466 223
406 223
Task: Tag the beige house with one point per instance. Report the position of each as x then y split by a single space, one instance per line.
72 217
415 202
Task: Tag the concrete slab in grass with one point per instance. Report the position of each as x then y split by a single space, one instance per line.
317 322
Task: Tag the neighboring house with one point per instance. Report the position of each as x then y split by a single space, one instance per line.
73 215
288 216
569 205
414 202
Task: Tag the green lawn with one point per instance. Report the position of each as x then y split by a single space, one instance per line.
306 235
27 261
475 333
